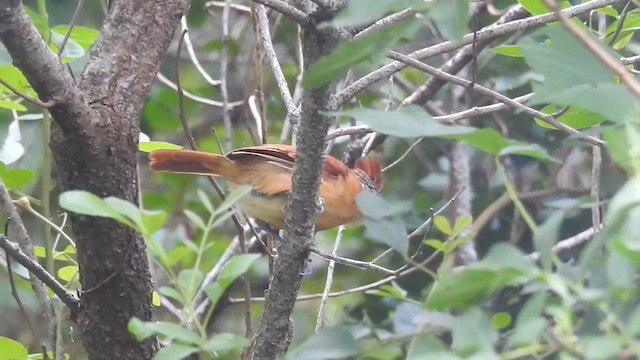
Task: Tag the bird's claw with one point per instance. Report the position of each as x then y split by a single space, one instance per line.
320 205
269 230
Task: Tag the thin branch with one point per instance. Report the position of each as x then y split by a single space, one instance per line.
351 262
571 242
265 36
224 84
29 98
329 280
285 9
192 54
494 95
163 79
72 23
387 20
40 273
237 7
404 155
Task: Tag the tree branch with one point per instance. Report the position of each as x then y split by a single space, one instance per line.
40 273
275 330
287 10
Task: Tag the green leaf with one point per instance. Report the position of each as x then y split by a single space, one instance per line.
68 273
139 329
436 244
148 146
72 50
174 351
189 280
618 146
86 203
237 266
574 117
501 320
15 178
12 350
534 7
373 205
83 36
328 343
426 346
155 298
364 12
601 347
461 223
488 140
531 150
503 265
442 223
195 219
204 199
369 47
14 77
411 121
451 17
12 105
224 343
391 232
232 198
152 221
529 323
508 50
172 293
473 334
157 250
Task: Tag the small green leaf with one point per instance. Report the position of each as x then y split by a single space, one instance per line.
174 351
574 117
155 298
204 199
531 150
224 343
157 250
175 331
195 219
171 293
501 320
148 146
369 47
451 17
72 50
139 329
328 343
534 7
436 244
189 280
152 221
601 347
14 77
442 223
461 223
12 350
12 105
83 36
391 232
85 203
232 198
237 266
67 273
473 334
15 178
508 50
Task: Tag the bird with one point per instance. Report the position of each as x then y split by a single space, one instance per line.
268 170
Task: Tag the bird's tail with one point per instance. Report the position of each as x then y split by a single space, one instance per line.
370 166
191 162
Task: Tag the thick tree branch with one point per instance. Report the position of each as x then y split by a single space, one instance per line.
275 330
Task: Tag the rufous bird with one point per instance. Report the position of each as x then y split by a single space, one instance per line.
268 170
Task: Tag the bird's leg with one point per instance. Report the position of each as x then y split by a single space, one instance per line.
269 230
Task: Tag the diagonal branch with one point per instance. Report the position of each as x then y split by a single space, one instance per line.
287 10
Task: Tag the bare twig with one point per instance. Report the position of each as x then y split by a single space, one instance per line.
224 85
163 79
329 280
40 273
192 54
72 23
571 242
29 98
387 20
285 9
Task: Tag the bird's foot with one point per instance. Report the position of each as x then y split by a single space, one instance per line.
269 230
320 205
306 269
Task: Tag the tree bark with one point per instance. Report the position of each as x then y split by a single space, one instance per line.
94 142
